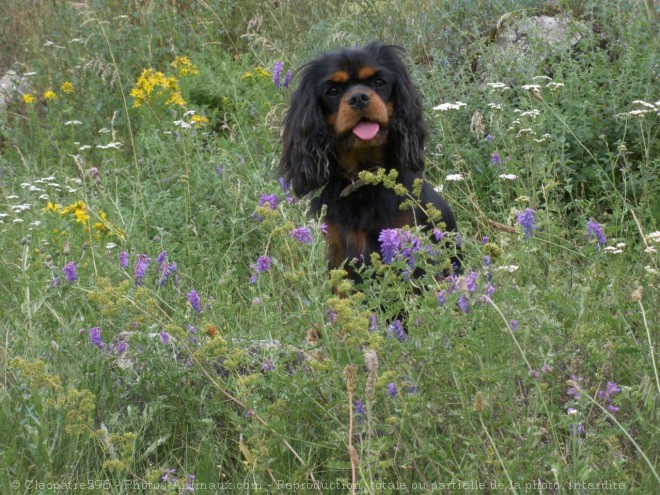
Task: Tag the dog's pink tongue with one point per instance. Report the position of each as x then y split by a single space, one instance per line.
366 130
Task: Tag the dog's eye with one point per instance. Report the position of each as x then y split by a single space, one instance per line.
332 91
378 83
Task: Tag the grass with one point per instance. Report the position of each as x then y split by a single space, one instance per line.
534 372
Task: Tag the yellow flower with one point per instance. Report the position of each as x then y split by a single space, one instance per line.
176 99
54 207
67 87
199 119
185 67
264 73
50 95
28 98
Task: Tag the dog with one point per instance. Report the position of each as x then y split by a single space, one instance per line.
356 110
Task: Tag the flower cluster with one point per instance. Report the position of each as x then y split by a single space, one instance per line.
594 229
154 84
303 235
527 220
262 265
606 396
467 289
184 67
277 75
399 244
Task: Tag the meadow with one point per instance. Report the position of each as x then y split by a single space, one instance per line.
158 282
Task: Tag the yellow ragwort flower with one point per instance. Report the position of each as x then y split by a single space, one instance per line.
176 99
28 98
185 67
199 119
67 87
50 95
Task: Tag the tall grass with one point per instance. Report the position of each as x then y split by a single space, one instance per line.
163 331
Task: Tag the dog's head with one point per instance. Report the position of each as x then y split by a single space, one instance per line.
352 106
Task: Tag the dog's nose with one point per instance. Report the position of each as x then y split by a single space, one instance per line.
358 101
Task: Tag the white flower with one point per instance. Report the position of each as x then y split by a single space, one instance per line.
454 177
495 106
612 250
17 220
507 268
508 176
654 236
44 197
110 245
189 113
105 131
553 86
650 250
439 188
28 74
497 85
541 77
116 145
73 122
532 87
19 208
84 147
620 245
531 113
650 270
443 107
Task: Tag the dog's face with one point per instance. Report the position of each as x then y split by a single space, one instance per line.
352 107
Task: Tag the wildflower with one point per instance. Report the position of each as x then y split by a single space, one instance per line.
528 222
95 338
267 366
199 119
390 243
373 323
185 67
443 107
508 176
391 390
471 281
277 73
438 234
164 337
577 429
263 263
594 229
302 234
495 158
464 304
123 260
70 271
271 199
489 138
140 268
514 325
287 78
50 95
546 368
454 177
332 315
161 257
28 98
218 169
606 396
168 476
396 329
166 271
193 299
442 297
66 87
190 483
359 408
574 384
534 374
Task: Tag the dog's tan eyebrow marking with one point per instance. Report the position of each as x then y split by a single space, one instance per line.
340 76
366 72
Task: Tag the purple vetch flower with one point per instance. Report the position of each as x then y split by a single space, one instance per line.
471 281
527 220
396 329
606 396
287 78
442 297
193 299
302 234
487 260
166 271
168 476
438 234
391 390
123 260
263 263
546 368
56 282
272 199
373 323
140 268
577 429
277 73
267 366
489 138
218 169
70 271
459 240
190 482
464 304
495 158
514 325
574 390
323 227
164 337
594 229
161 257
390 243
95 338
120 347
359 408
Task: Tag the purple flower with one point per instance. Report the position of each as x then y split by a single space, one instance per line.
459 240
96 339
606 396
514 325
287 78
574 390
464 304
193 299
390 243
140 268
391 390
190 483
218 169
323 228
527 220
594 229
302 234
120 347
123 260
396 329
373 323
263 264
164 337
438 234
70 271
168 476
442 297
577 429
534 374
166 271
277 73
267 366
359 408
56 282
332 316
495 158
471 281
487 260
272 199
161 257
489 138
546 368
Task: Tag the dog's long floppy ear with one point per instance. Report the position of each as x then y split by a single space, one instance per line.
306 153
409 130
